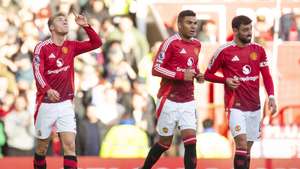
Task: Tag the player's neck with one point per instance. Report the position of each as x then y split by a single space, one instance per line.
58 39
184 37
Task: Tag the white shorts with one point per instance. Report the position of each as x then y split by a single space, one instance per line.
55 115
174 114
245 122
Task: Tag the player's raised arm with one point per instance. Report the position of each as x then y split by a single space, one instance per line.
94 39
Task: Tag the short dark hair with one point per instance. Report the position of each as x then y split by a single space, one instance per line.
239 20
185 13
51 19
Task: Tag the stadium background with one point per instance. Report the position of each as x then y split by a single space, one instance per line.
116 92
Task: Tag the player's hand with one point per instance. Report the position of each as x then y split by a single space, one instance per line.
232 83
189 74
200 78
272 106
53 95
81 20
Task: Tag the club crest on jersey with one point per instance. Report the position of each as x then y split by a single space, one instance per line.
246 69
190 62
196 51
64 50
59 62
165 130
237 128
253 56
36 59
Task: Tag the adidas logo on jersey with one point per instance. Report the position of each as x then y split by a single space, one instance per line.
52 56
182 51
235 58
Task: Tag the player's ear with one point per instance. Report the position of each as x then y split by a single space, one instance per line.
179 25
235 30
51 28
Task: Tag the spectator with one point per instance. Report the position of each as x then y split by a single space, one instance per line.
118 67
97 9
208 32
211 144
19 129
144 108
90 133
24 72
133 42
262 31
288 27
125 141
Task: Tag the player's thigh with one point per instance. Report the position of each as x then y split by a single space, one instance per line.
187 117
166 121
253 125
237 122
66 121
45 119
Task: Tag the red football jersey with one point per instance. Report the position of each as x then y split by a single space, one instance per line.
244 63
173 58
53 65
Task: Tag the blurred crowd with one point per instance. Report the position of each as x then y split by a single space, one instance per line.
115 92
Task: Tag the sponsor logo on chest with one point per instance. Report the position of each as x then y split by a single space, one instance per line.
59 62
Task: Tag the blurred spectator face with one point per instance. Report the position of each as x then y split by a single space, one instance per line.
125 24
20 103
29 29
59 25
138 102
89 77
115 53
95 24
97 6
12 36
187 27
64 7
211 28
106 25
91 113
